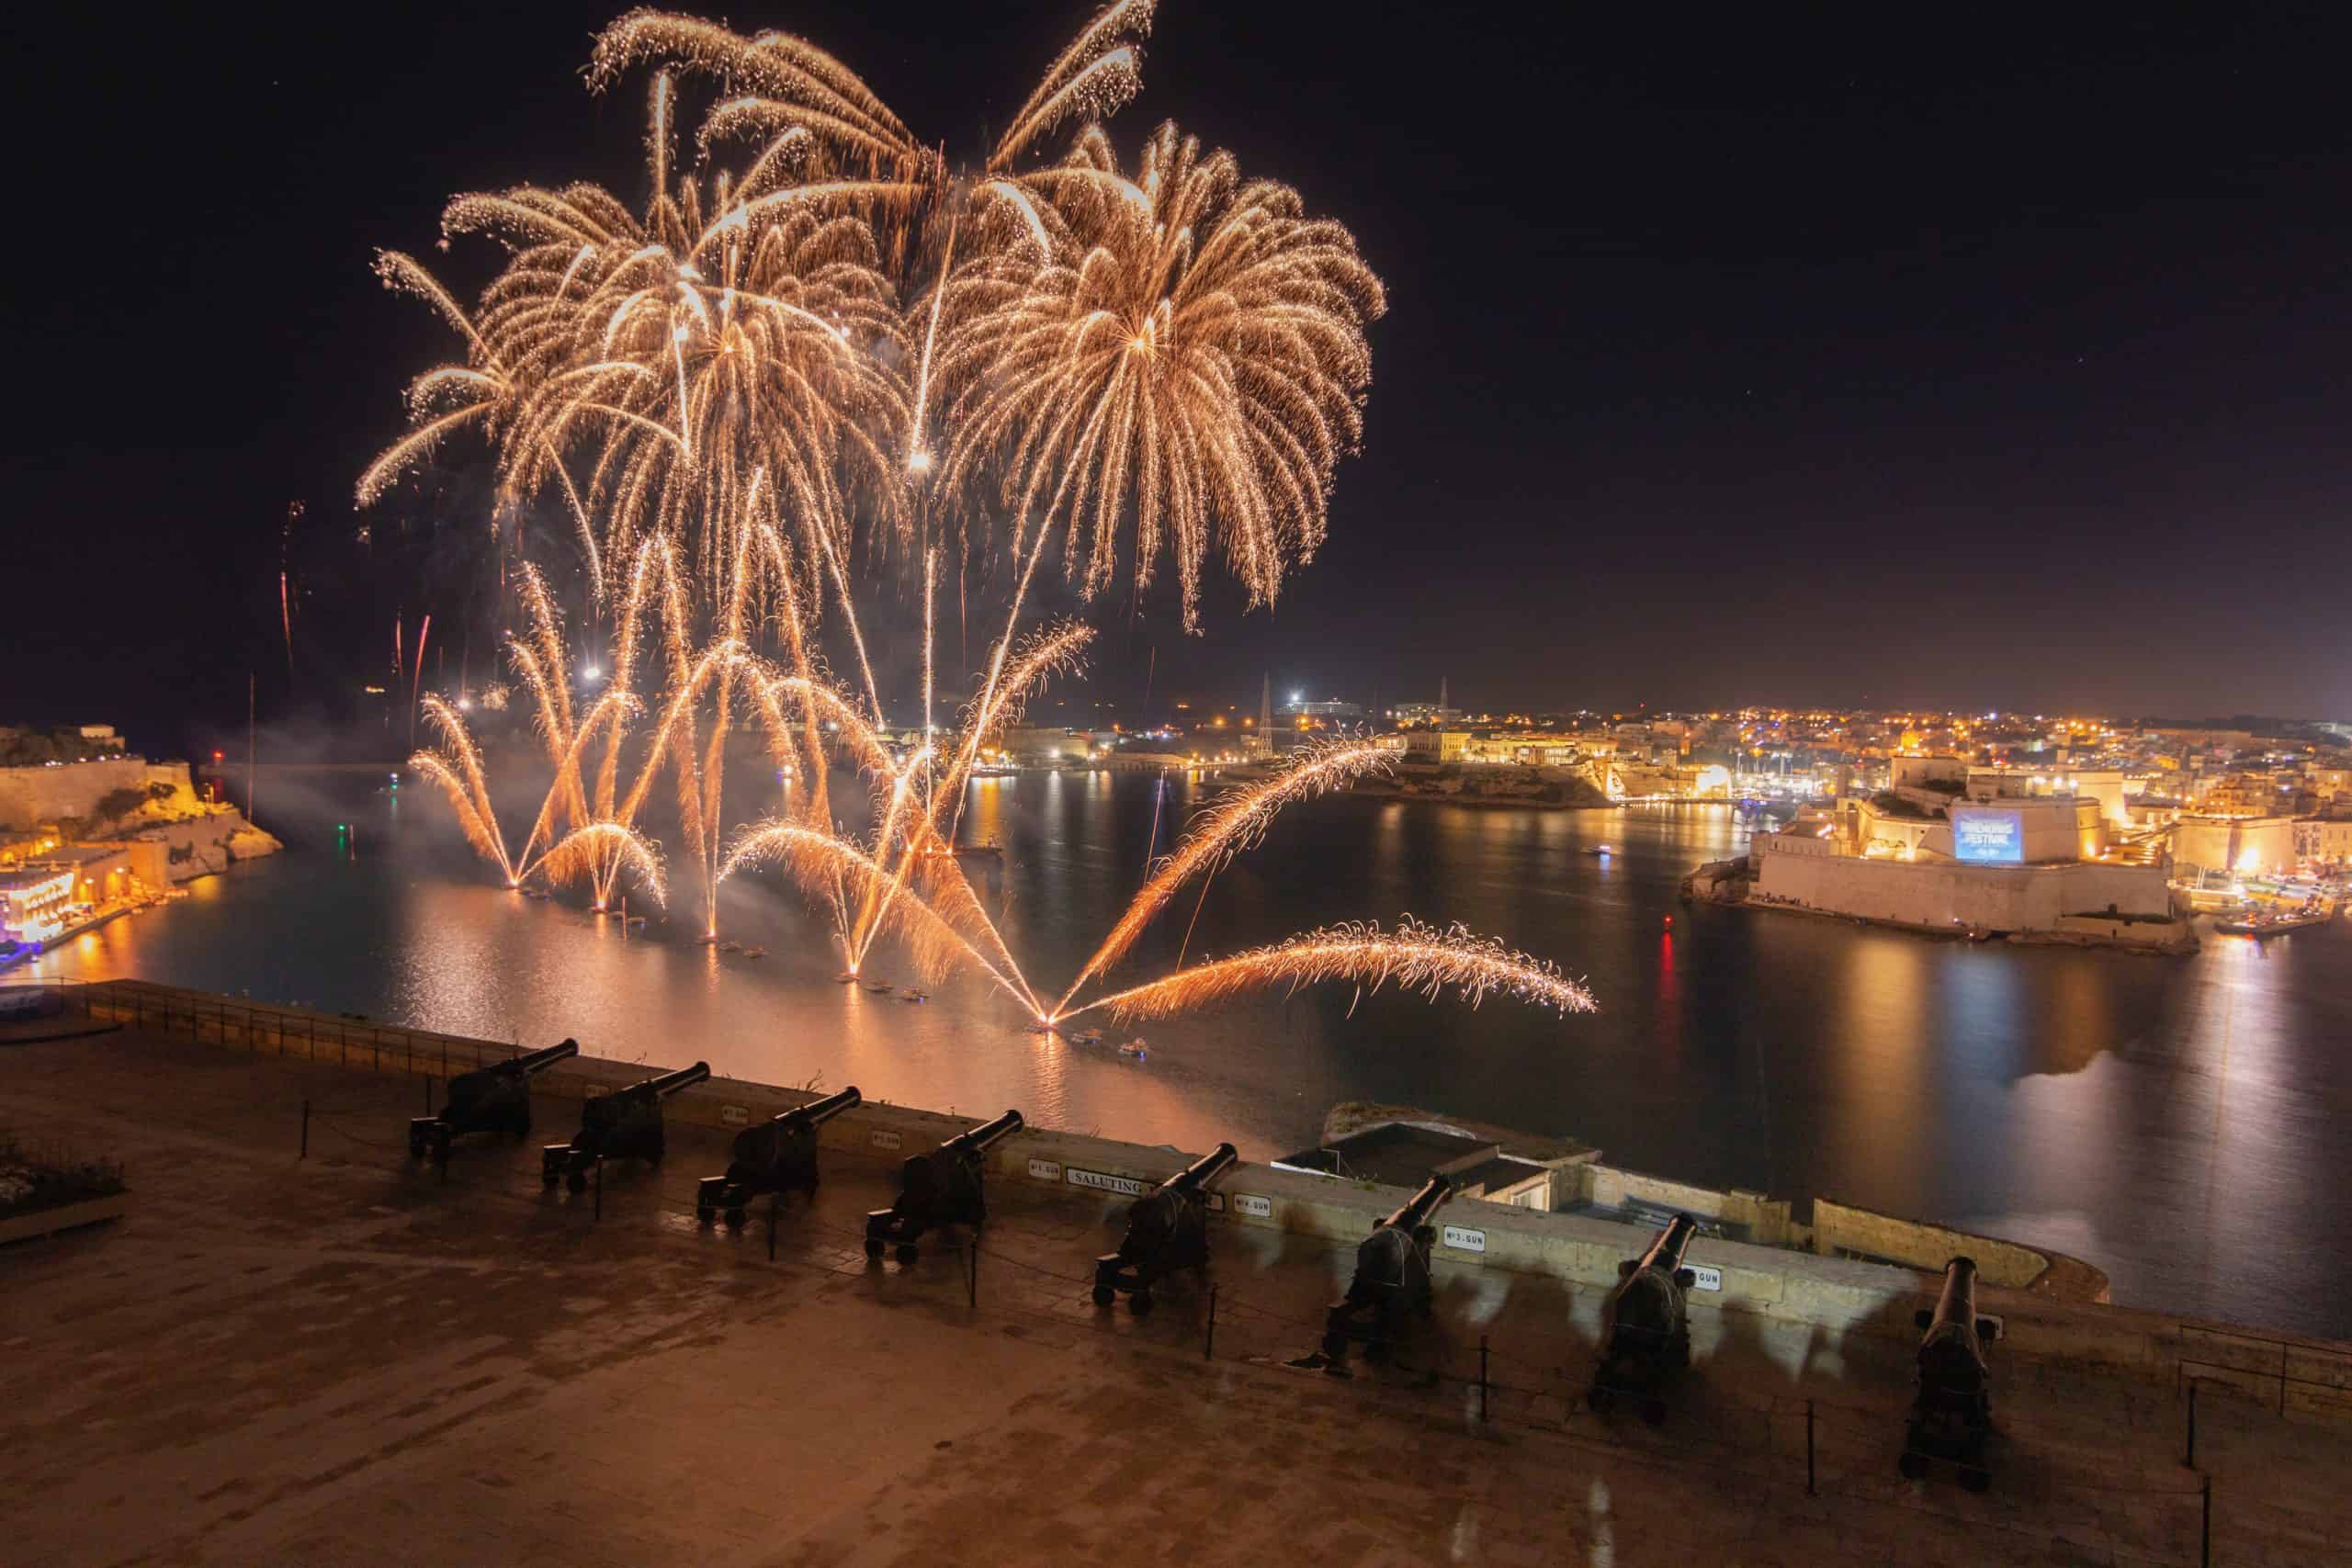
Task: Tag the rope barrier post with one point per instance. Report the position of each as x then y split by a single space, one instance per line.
1208 1338
428 1094
1482 1378
306 1129
972 1273
775 1206
1808 1449
600 1186
2205 1532
2188 1460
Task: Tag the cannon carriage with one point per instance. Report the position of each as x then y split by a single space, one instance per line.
1391 1285
624 1124
776 1156
941 1187
1645 1337
1951 1412
1167 1230
496 1098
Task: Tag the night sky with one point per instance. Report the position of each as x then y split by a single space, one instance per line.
1780 358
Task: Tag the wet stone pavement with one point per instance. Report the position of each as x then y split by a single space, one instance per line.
341 1360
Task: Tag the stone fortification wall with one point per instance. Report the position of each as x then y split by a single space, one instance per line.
1925 1246
1840 1296
1941 894
31 797
203 846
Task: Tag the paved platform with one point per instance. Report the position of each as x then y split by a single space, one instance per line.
340 1360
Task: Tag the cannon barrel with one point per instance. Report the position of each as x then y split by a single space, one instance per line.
1957 1303
1417 1212
1666 1251
981 1139
1205 1169
817 1113
668 1084
531 1062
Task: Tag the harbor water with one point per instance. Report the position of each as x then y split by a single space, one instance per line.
2176 1120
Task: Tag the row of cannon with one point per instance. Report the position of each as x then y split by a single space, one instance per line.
1645 1338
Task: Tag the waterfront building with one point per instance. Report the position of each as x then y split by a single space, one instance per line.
1917 855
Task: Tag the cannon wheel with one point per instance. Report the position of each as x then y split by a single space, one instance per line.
1335 1345
1104 1295
908 1252
1975 1477
416 1145
1912 1464
734 1217
1599 1399
703 1213
577 1181
873 1247
1375 1351
1139 1304
549 1176
1654 1412
440 1155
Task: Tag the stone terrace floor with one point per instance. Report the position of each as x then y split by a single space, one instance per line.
338 1359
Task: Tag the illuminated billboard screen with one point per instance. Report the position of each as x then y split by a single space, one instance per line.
1987 838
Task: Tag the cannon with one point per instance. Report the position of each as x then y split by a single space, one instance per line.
1167 1230
777 1155
941 1188
1645 1331
496 1098
624 1125
1951 1415
1391 1277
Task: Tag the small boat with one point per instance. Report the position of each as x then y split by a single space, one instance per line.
846 977
912 995
755 953
879 987
1087 1037
2263 926
636 922
990 849
731 945
534 892
1136 1048
1602 850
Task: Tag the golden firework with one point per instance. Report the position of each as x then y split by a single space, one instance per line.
1190 363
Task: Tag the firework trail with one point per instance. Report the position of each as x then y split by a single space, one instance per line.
822 860
457 772
1413 957
1236 823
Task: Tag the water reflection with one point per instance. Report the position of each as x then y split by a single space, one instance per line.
2167 1117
